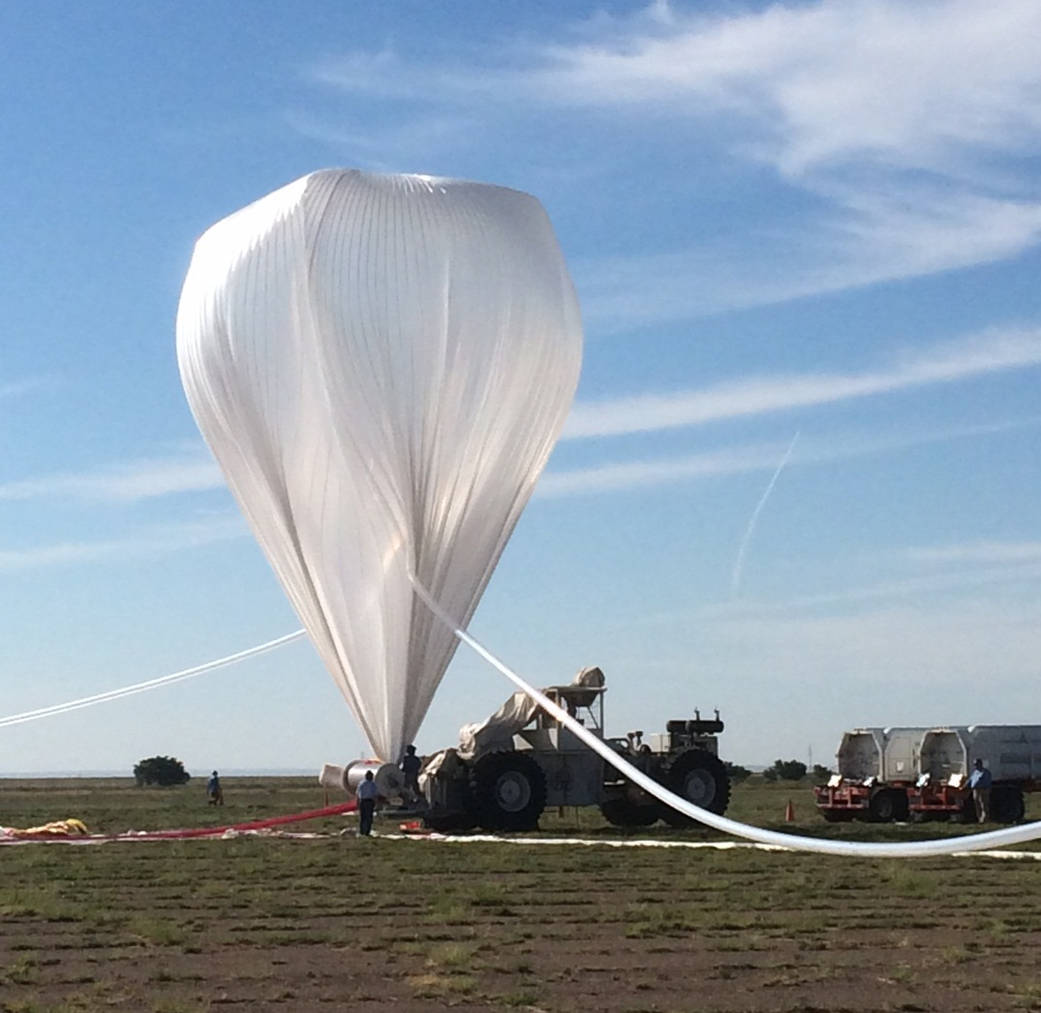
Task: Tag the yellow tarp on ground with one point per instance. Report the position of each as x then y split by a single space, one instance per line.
56 828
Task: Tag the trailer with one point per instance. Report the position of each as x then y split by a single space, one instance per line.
875 767
1012 754
896 774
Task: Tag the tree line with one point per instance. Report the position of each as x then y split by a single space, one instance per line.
782 770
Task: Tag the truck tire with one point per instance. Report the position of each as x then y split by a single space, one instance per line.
508 791
1006 803
622 813
698 777
888 805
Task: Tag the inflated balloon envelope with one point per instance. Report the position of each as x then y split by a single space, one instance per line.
381 366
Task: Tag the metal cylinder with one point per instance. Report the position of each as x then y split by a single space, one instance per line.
389 780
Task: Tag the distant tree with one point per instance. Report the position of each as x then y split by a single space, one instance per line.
161 770
786 770
736 772
821 774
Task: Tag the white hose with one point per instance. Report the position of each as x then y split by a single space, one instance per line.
917 849
141 687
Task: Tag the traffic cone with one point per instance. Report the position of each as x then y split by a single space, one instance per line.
789 812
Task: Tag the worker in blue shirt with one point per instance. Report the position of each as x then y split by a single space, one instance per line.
979 784
367 793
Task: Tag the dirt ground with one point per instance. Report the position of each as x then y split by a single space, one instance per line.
351 924
341 923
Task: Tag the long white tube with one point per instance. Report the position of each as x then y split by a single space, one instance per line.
917 849
141 687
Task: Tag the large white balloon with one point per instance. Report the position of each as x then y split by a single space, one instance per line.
381 365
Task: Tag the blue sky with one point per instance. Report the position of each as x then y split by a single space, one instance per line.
820 219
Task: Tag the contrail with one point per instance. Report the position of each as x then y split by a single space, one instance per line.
739 563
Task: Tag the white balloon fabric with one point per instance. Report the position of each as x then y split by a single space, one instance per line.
381 365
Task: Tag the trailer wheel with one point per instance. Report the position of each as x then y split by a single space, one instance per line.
508 790
888 805
1006 803
620 812
698 777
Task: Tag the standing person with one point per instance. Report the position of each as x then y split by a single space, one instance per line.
367 793
979 782
214 792
410 767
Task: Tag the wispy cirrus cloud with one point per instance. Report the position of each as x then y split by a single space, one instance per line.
151 541
977 552
867 238
619 476
974 356
990 352
812 83
27 385
380 148
979 566
819 79
908 127
125 482
633 474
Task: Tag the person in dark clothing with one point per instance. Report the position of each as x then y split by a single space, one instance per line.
979 784
214 792
410 767
367 793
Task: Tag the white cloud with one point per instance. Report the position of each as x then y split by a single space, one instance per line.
632 474
989 352
28 385
911 84
907 123
147 542
964 359
129 482
913 649
388 147
977 552
872 236
928 585
618 476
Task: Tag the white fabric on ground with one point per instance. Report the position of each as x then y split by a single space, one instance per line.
601 842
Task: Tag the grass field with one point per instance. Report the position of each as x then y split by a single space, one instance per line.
341 923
